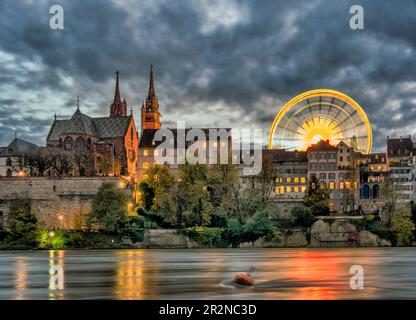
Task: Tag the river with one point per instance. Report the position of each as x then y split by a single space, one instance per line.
389 273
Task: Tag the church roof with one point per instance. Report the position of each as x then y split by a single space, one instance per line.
79 123
17 146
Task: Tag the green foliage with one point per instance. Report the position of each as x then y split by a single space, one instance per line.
303 217
159 179
22 223
206 236
109 208
316 197
59 240
147 195
135 233
403 226
257 226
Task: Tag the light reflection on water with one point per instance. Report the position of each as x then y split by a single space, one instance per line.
204 274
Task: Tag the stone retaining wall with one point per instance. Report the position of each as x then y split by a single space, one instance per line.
57 202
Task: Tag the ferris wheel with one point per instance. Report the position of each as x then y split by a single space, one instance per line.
321 114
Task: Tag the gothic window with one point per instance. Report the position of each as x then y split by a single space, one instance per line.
8 162
68 143
80 144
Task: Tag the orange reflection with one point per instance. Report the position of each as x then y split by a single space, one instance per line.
21 278
130 275
323 275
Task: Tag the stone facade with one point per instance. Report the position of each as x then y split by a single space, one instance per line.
58 203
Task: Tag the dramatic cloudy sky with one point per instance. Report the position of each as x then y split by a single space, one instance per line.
217 63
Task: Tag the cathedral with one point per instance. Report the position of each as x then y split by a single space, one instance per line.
103 146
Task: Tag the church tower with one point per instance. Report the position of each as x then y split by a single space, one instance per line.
150 110
118 108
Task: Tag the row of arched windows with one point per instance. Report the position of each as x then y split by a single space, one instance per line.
79 144
368 192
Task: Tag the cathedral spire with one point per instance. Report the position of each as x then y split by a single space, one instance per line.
151 83
150 108
152 103
117 91
118 108
77 103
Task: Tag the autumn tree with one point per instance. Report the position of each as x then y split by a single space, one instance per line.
109 208
403 226
316 199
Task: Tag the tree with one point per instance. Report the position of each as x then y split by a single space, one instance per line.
82 161
263 182
61 161
316 198
147 195
303 217
108 164
390 195
38 161
159 178
403 226
21 222
109 208
193 198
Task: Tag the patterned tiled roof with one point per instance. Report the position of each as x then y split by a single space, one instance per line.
17 146
106 127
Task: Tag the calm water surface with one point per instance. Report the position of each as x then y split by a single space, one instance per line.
204 274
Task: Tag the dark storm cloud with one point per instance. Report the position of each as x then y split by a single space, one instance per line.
231 63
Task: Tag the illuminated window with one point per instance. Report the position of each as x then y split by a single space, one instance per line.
341 185
215 144
379 168
204 145
355 184
296 189
145 152
288 189
296 179
303 188
347 184
145 165
302 180
331 185
156 152
288 179
372 168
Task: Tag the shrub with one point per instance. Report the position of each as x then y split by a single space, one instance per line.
109 208
403 228
22 223
136 234
257 226
303 217
204 235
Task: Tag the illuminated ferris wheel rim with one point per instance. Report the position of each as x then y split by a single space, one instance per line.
319 93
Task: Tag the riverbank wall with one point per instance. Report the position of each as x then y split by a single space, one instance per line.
340 233
58 202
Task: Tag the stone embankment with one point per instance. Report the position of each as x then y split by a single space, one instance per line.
340 233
